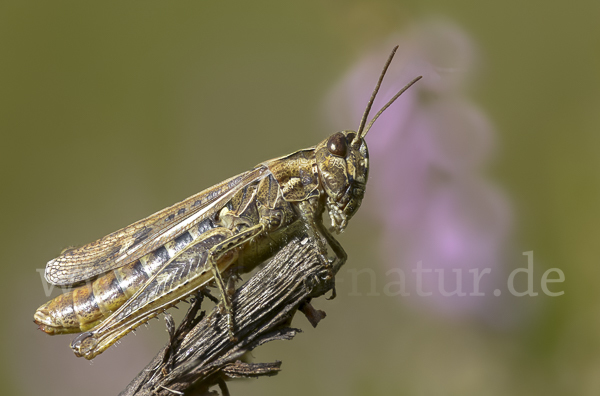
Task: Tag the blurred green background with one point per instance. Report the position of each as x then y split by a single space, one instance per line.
111 111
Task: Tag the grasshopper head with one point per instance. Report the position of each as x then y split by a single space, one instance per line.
343 163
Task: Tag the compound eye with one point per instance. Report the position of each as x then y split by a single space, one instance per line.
337 145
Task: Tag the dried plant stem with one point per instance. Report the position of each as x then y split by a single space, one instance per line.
202 354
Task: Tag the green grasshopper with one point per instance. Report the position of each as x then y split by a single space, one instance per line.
136 273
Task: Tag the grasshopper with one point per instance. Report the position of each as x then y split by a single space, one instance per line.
132 275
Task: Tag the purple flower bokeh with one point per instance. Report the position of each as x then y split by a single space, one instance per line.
428 151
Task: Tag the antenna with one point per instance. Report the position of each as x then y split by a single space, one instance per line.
388 104
368 109
360 134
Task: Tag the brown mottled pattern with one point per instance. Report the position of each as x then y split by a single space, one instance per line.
181 275
140 238
295 174
185 268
